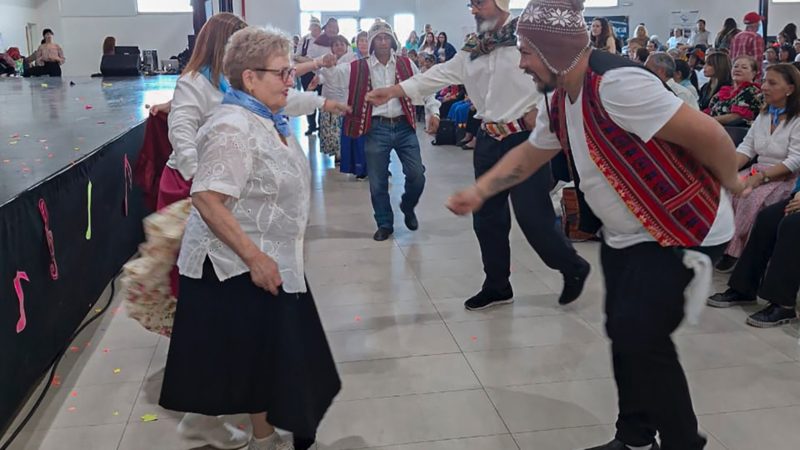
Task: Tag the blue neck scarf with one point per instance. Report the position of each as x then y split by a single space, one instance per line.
252 104
224 86
775 113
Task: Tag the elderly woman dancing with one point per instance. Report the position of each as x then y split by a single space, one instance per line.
243 294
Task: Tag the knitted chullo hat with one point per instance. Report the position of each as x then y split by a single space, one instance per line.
382 27
505 5
557 30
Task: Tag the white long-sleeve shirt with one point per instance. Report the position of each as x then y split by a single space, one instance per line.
499 89
382 76
194 99
782 146
333 91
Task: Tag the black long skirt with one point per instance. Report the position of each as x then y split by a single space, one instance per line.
236 349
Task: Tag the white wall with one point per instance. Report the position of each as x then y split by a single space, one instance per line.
14 15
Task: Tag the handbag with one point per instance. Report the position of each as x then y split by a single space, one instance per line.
148 297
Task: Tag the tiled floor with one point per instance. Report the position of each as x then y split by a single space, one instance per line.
420 372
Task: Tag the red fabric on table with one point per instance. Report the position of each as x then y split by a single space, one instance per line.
152 159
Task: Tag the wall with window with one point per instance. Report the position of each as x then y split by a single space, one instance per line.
81 25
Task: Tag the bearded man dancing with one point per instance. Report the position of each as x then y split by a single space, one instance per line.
652 175
500 91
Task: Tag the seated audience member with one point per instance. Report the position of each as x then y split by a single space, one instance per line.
8 66
741 102
428 46
697 61
602 35
651 46
448 96
427 60
109 45
641 55
787 53
663 66
444 50
775 139
676 39
797 50
632 48
640 37
718 72
686 77
769 266
414 57
770 57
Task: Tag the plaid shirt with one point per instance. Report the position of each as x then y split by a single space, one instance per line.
748 43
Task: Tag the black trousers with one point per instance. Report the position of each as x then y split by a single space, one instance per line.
533 210
644 305
770 263
305 80
49 68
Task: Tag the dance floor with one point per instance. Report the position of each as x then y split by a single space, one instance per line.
420 372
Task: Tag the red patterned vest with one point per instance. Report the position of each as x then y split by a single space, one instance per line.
667 190
358 123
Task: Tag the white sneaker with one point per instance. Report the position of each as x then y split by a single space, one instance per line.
213 431
273 442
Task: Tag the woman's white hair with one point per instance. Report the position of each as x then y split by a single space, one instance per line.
251 48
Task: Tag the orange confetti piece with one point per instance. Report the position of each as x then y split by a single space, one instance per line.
56 381
73 394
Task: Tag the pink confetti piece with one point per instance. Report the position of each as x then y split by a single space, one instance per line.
88 107
14 136
88 344
23 320
26 170
474 338
56 381
6 161
72 409
105 350
358 318
50 155
48 235
74 349
73 394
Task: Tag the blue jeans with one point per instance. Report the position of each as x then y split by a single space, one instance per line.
381 139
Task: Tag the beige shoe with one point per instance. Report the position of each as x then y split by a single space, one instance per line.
213 431
273 442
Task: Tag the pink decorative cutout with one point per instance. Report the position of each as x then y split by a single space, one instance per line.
51 246
126 167
23 321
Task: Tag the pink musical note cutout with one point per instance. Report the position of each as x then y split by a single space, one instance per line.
23 321
48 234
128 174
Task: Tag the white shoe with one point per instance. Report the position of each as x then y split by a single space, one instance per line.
273 442
213 431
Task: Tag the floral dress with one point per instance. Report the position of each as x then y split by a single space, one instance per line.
746 101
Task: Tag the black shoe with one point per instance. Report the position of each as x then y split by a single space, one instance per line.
311 131
726 264
382 234
485 299
772 316
467 147
411 221
617 445
729 298
573 284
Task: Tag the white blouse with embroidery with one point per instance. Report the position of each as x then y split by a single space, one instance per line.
242 156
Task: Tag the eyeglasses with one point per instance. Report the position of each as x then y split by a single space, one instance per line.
286 74
477 4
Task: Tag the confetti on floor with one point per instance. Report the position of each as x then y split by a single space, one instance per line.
44 85
117 371
105 350
56 381
50 155
74 349
107 85
77 149
97 310
358 318
73 394
88 107
115 413
72 409
6 161
149 418
474 338
101 122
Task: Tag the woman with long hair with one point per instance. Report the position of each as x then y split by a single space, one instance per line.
741 102
428 45
412 43
773 140
602 35
109 45
726 34
640 36
787 54
444 50
718 71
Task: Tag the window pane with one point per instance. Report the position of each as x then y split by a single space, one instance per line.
365 23
330 5
403 26
521 4
164 6
348 27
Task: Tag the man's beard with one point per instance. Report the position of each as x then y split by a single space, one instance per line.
484 25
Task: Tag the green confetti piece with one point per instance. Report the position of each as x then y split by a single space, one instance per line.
149 418
89 210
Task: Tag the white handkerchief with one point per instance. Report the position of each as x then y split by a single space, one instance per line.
699 288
